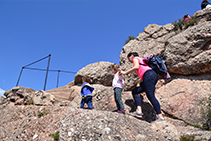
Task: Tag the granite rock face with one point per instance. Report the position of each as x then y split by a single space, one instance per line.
189 52
186 52
182 97
28 96
99 73
24 123
203 15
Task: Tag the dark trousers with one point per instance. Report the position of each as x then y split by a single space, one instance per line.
88 101
150 79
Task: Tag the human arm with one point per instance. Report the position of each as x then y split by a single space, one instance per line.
133 69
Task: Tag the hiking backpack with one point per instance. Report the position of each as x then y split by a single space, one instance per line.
157 64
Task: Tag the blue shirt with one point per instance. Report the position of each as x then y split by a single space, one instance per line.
86 90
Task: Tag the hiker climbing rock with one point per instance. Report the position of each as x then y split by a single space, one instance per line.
149 79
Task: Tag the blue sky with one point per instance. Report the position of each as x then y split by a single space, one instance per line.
75 32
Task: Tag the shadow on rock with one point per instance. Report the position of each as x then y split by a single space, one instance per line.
147 108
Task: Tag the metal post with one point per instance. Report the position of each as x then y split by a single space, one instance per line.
19 76
47 71
58 79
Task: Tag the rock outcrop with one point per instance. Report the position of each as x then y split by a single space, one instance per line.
62 93
189 52
186 52
28 96
152 40
24 123
99 73
203 15
182 97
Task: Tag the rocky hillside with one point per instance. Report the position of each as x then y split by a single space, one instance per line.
27 114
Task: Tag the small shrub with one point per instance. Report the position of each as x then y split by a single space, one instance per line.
187 138
206 113
42 112
190 22
30 102
55 136
129 38
177 24
196 125
180 24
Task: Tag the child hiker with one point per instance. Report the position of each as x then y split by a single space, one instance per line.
118 84
86 93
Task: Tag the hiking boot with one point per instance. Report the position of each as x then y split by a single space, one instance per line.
158 119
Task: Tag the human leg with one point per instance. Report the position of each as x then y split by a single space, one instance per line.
89 102
115 97
136 97
119 99
150 80
83 101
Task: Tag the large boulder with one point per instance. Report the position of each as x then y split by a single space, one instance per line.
203 15
99 73
28 96
152 40
189 52
182 97
43 98
62 93
185 52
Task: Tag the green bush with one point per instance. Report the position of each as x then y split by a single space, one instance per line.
30 102
184 25
129 38
187 138
42 112
196 125
190 22
177 24
55 136
206 113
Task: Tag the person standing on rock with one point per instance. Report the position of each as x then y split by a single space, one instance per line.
149 79
118 84
86 93
205 4
185 19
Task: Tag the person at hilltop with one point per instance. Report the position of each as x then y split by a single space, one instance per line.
205 4
186 18
86 93
118 84
149 79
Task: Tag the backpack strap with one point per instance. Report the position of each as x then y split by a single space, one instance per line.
143 64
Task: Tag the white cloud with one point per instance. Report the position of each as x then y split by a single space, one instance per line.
1 92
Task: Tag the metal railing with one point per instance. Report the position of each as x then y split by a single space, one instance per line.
47 70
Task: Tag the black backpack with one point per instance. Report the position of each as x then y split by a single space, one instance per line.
157 64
